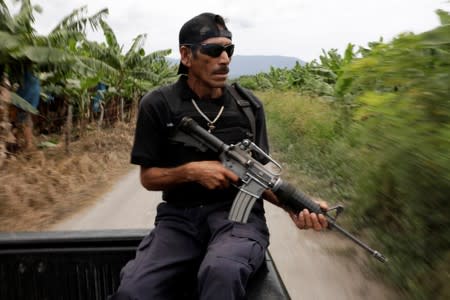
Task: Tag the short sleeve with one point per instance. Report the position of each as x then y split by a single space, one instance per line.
151 131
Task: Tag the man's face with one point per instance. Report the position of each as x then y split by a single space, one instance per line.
212 72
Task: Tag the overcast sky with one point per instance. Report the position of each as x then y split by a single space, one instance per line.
298 28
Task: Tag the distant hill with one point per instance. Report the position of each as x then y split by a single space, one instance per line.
254 64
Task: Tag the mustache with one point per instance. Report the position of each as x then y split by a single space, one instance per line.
222 70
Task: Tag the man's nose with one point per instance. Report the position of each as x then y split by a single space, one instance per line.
224 58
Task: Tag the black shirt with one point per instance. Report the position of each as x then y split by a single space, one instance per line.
160 112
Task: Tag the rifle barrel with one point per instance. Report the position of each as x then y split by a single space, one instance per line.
296 201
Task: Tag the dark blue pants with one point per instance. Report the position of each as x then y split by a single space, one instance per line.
196 253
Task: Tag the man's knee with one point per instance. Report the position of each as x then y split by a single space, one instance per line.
224 269
225 277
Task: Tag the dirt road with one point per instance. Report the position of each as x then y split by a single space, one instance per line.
313 265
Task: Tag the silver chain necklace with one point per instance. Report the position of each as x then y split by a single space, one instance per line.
211 125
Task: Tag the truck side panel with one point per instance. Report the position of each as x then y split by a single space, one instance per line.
86 265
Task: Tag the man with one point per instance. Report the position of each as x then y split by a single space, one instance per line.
30 90
194 249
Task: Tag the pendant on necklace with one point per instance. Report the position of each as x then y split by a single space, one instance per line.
210 123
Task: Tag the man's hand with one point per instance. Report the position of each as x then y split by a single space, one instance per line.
307 220
210 174
304 219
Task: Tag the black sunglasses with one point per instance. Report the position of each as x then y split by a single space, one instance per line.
214 50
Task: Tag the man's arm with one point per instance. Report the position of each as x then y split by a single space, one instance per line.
213 175
210 174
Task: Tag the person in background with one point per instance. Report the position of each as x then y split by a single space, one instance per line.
30 90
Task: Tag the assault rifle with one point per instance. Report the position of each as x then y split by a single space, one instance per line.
255 178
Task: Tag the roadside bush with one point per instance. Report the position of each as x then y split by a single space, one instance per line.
400 126
382 145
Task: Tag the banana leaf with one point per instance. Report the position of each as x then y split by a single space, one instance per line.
21 103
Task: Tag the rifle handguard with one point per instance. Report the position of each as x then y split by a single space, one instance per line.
294 199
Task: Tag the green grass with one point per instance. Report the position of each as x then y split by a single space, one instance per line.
301 132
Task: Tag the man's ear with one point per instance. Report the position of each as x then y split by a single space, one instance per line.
185 56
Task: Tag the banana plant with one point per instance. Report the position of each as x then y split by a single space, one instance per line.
14 32
135 72
335 62
23 49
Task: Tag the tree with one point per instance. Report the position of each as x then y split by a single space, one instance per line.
135 72
24 54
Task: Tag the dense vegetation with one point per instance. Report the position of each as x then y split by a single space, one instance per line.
78 79
374 125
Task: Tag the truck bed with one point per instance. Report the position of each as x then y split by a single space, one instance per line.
85 265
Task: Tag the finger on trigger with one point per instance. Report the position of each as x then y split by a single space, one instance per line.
231 176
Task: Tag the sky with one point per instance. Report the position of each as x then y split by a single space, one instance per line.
296 28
